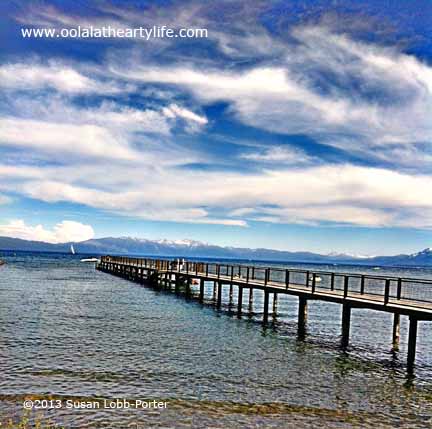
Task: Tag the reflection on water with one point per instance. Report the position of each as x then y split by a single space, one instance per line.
68 331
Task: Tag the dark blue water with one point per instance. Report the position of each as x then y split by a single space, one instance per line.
71 332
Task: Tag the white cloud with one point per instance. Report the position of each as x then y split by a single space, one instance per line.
35 75
108 130
63 232
173 111
110 115
194 122
376 105
278 154
87 140
346 194
376 97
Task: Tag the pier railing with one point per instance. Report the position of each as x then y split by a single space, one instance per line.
384 288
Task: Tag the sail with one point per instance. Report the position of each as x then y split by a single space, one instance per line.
72 249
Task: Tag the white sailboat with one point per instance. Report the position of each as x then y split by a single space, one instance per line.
72 249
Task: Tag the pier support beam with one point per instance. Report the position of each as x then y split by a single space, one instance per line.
201 294
214 290
219 295
396 331
275 303
266 306
346 322
302 317
412 341
240 301
231 292
188 286
250 299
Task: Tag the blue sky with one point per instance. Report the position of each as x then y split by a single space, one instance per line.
294 125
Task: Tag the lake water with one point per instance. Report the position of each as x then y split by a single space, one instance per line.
69 332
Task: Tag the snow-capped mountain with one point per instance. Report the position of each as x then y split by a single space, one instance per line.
192 248
424 253
348 255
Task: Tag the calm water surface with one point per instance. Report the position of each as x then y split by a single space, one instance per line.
68 331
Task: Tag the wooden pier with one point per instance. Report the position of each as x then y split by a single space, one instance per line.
399 296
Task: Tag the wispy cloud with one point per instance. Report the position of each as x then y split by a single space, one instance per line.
376 96
37 75
194 121
278 155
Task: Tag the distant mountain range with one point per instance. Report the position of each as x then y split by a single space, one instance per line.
191 248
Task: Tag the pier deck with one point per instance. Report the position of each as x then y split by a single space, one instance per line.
400 296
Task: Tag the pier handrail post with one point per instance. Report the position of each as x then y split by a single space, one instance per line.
287 278
332 281
196 268
399 288
362 284
313 282
307 278
218 270
266 276
346 280
253 273
386 291
232 272
207 269
247 274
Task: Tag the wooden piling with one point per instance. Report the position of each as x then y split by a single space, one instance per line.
214 290
302 317
201 294
396 331
266 305
346 321
219 295
275 303
240 301
412 341
177 283
188 286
